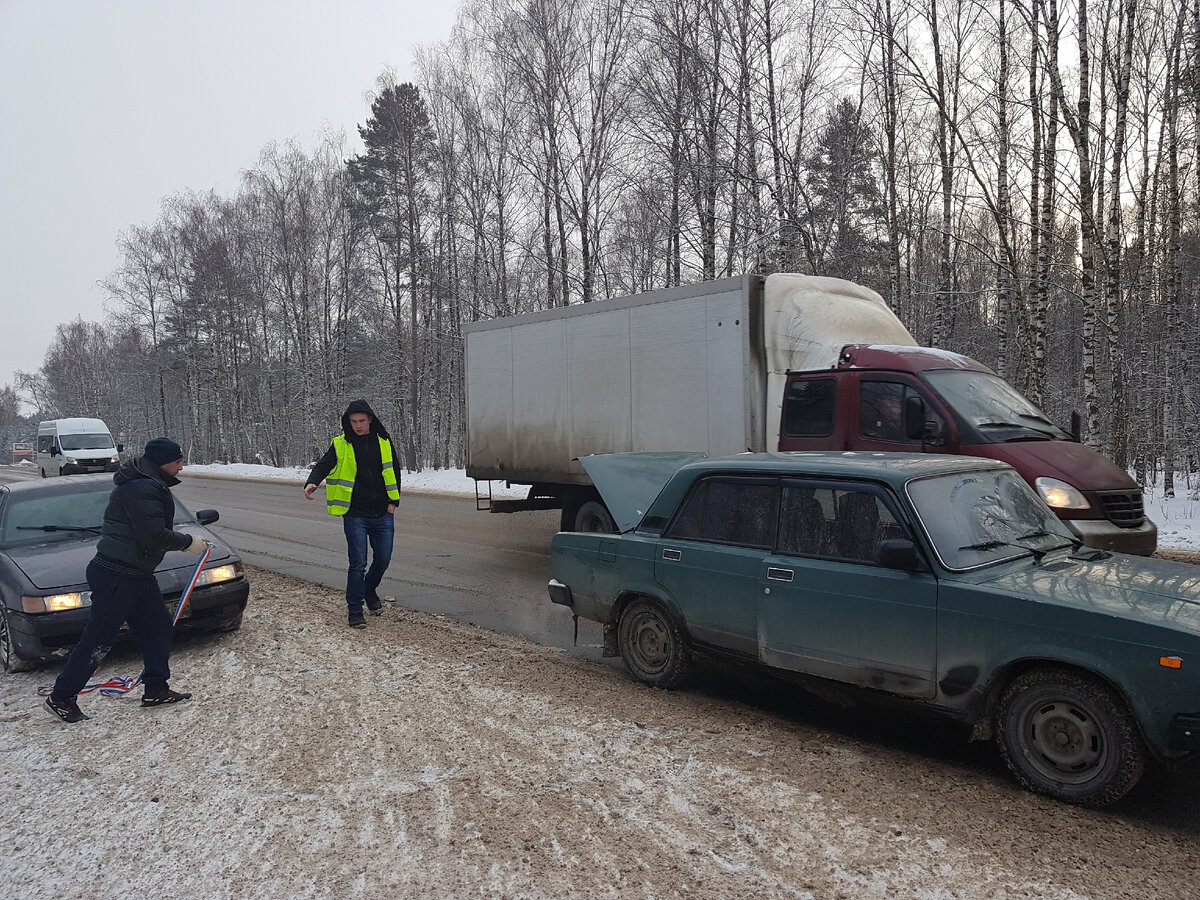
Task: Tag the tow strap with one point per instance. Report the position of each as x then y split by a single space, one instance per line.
117 686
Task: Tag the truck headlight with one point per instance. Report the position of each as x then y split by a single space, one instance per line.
1060 495
218 574
57 602
70 460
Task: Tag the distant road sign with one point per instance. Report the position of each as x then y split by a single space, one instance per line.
21 451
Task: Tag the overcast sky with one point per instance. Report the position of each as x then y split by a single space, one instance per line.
109 106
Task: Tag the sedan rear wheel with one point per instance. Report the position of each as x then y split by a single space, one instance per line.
1065 734
653 645
8 653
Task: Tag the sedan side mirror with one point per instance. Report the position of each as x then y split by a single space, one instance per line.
207 516
898 554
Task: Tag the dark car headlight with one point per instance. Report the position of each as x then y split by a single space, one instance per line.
57 602
218 574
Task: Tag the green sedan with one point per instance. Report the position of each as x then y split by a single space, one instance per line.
944 580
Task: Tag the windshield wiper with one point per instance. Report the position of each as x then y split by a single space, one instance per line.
995 545
94 528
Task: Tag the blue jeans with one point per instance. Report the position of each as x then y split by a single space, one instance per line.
360 531
119 597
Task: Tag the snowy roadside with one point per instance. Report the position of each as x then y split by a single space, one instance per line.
424 757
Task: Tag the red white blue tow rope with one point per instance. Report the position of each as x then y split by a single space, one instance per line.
119 687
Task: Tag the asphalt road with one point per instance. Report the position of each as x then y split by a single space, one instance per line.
449 558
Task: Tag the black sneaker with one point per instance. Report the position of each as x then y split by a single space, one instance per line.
356 620
67 710
164 697
374 604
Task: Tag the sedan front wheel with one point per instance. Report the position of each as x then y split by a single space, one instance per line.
1066 735
8 653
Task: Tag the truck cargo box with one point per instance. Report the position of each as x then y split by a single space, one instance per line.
681 368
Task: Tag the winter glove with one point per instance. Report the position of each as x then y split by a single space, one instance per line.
197 546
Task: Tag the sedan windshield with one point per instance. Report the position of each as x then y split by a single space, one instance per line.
979 518
36 519
991 404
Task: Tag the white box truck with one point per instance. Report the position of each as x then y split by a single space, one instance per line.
76 446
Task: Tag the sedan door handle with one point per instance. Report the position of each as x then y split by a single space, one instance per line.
672 554
774 574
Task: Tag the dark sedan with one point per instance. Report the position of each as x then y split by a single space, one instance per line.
48 534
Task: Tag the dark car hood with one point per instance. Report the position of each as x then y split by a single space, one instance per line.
629 482
63 564
1130 588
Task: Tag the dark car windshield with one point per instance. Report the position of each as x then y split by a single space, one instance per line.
35 518
991 404
984 517
85 441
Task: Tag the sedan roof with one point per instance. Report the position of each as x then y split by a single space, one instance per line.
53 487
648 486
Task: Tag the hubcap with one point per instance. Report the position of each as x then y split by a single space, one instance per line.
649 641
1067 741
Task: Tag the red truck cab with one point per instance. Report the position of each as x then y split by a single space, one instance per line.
920 399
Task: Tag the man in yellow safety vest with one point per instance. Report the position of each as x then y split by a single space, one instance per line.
362 487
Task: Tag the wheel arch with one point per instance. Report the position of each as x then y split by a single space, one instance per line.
641 592
984 720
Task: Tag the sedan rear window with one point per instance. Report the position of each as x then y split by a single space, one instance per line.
730 511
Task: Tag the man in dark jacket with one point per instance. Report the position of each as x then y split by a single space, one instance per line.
135 536
363 488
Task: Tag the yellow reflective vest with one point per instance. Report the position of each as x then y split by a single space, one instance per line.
339 484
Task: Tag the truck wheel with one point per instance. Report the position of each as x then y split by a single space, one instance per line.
8 653
594 516
653 645
43 471
1070 737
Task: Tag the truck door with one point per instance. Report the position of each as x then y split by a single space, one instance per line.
827 609
896 414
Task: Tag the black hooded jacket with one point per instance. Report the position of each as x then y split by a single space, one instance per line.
369 497
137 522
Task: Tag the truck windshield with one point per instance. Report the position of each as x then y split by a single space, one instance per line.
984 517
85 441
991 404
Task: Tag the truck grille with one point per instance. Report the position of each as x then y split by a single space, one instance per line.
1123 508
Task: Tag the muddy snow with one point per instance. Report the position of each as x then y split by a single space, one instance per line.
422 757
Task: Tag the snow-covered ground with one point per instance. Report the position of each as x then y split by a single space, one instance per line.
1178 518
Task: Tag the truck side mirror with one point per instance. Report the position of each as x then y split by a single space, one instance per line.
1076 426
120 448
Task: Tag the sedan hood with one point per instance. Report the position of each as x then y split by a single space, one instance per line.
1130 588
629 482
63 564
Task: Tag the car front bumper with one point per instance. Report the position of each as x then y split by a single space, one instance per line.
44 636
1104 535
1185 732
88 468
